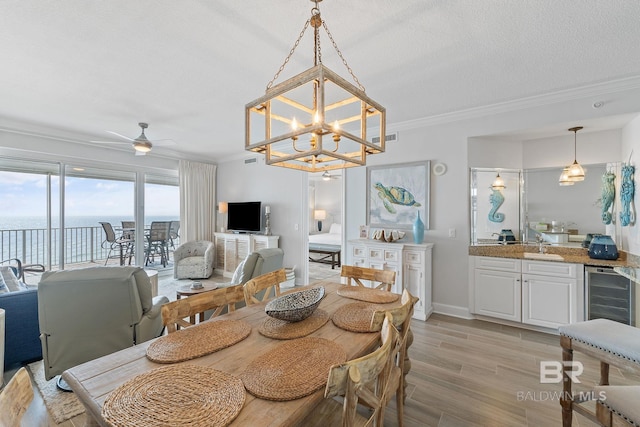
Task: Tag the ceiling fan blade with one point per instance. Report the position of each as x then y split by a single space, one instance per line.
110 142
163 142
121 136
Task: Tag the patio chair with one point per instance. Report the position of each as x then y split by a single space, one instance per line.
173 233
129 229
19 268
122 244
158 242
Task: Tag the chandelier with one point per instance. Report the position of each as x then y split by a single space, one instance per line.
316 120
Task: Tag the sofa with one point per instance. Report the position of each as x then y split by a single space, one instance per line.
20 302
91 312
193 260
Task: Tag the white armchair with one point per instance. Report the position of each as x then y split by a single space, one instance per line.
193 260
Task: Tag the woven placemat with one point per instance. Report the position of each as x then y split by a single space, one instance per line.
355 317
197 341
283 330
367 294
178 395
293 369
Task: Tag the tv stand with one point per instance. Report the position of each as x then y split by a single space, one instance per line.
233 248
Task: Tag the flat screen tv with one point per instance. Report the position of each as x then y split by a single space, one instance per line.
244 217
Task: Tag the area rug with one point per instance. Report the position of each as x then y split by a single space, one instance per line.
61 405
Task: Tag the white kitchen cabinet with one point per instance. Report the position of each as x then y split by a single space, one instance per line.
411 262
231 249
539 293
550 296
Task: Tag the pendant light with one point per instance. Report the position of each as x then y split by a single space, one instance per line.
576 173
498 183
564 177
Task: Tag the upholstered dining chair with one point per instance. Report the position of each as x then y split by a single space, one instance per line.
359 381
402 321
380 279
15 398
174 314
259 288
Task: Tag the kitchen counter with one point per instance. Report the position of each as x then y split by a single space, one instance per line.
569 255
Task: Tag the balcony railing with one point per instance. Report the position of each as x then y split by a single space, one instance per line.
31 246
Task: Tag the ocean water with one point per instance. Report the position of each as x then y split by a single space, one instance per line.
31 222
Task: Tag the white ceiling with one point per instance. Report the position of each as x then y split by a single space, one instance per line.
188 67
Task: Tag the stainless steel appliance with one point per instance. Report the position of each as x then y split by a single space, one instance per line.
609 295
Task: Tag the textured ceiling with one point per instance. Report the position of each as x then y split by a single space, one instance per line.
188 67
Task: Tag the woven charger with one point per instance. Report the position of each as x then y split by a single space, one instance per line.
197 341
293 369
185 395
367 294
283 330
355 317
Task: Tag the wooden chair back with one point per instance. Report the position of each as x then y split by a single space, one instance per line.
384 278
363 380
175 313
265 282
16 398
402 321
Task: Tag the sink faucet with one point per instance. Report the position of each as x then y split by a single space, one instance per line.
502 237
540 241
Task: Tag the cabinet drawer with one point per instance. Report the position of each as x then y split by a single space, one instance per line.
381 254
359 252
556 269
502 264
413 257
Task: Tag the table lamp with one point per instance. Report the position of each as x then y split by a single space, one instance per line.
319 214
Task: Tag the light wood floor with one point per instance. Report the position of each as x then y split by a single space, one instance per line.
464 373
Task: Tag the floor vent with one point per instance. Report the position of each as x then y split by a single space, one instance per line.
392 137
252 160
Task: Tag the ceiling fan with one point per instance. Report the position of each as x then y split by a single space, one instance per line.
141 144
326 176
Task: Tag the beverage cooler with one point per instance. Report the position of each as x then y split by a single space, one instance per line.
609 295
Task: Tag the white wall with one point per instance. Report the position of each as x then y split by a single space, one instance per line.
328 197
285 190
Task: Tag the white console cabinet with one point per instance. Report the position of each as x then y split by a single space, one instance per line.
231 249
539 293
411 262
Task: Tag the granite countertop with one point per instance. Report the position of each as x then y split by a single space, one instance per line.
570 255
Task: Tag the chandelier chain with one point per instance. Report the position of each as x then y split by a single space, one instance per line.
286 60
344 61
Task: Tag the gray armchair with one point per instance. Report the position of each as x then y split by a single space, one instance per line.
193 260
88 313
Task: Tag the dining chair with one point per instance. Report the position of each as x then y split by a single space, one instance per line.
385 278
122 244
358 381
259 288
174 314
401 363
15 398
158 242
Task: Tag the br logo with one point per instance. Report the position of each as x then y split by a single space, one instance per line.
551 371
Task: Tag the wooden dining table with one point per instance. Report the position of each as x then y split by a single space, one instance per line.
93 381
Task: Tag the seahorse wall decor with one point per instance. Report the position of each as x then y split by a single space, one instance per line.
608 196
627 190
497 199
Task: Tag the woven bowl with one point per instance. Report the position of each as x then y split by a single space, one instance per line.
295 306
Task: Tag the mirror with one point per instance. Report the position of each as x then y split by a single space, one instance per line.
534 203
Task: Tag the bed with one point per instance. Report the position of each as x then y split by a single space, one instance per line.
327 245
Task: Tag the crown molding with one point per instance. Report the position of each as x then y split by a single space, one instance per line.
572 94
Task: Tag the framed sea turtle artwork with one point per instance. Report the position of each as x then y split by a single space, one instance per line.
397 194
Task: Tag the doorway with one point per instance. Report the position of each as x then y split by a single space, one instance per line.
325 216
